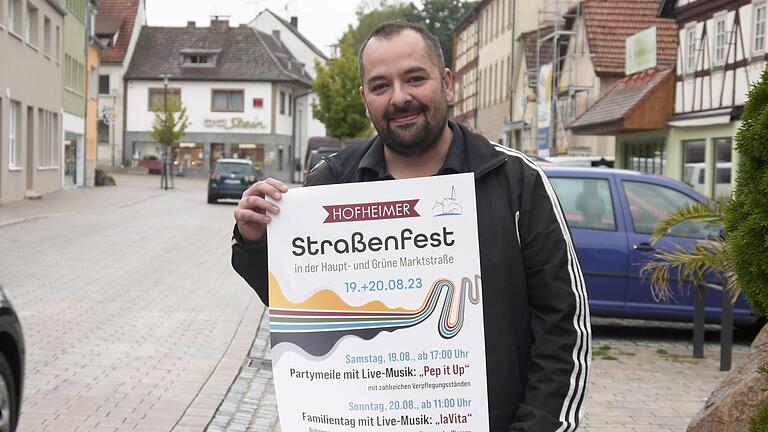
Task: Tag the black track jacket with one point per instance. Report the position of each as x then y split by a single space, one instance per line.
538 337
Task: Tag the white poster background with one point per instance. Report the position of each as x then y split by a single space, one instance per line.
444 382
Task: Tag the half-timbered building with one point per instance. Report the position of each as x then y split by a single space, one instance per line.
721 52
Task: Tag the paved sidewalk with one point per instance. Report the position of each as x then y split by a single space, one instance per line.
644 381
133 317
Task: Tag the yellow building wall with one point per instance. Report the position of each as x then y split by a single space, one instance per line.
91 113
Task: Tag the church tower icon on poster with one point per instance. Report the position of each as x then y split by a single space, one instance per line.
448 206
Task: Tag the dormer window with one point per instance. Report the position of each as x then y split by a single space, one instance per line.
199 57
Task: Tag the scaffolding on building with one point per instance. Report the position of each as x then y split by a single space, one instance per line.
561 16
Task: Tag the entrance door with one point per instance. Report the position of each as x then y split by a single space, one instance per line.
70 161
30 157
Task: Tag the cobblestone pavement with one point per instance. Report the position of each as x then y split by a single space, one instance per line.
134 320
133 317
643 378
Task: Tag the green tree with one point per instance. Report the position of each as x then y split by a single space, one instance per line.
746 223
338 104
371 15
441 17
168 127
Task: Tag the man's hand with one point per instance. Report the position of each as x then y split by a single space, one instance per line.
252 212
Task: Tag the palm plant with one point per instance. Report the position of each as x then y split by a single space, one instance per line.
707 256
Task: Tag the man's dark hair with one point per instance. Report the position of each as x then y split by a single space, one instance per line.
390 29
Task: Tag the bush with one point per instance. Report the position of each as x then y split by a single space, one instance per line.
109 181
746 221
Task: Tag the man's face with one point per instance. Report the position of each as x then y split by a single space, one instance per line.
405 93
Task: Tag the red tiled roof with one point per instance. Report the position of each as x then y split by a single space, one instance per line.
531 40
623 98
611 22
109 10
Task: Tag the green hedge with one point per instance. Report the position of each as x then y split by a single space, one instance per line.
746 221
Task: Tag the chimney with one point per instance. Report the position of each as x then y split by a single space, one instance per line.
219 24
276 34
295 22
190 24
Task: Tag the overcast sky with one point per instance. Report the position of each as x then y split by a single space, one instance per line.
322 22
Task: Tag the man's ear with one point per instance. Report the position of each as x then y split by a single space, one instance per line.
448 84
362 96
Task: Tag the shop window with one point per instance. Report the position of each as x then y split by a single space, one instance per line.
227 100
693 164
252 152
648 157
723 167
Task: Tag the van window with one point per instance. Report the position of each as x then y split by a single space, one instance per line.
650 203
587 203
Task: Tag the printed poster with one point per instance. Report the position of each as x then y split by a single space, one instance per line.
376 311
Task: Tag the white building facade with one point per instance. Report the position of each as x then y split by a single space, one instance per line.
307 54
238 86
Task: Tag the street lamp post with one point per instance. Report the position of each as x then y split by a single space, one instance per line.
164 172
111 123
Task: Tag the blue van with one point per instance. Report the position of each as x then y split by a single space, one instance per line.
612 213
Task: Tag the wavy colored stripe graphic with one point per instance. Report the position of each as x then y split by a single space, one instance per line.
317 323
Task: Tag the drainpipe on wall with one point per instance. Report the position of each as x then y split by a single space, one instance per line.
512 78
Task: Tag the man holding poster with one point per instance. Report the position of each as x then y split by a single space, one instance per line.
537 337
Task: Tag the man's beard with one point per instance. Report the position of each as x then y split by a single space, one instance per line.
417 139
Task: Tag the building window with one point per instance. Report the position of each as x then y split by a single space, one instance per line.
14 127
290 105
646 156
104 84
720 41
693 164
690 63
32 18
227 101
282 102
723 166
15 16
102 133
47 35
758 29
157 98
57 47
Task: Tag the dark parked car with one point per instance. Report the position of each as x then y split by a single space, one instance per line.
11 365
612 214
230 179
